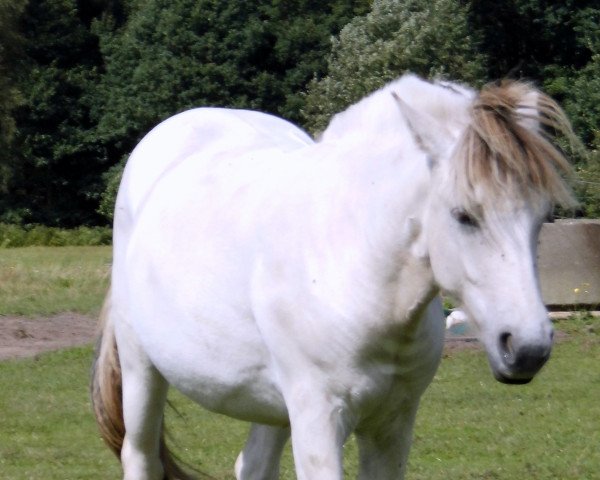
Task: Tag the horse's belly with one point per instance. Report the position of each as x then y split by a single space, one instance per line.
253 400
226 370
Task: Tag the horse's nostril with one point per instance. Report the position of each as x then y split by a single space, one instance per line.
507 347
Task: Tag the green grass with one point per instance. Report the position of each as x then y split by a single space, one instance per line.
468 427
471 427
46 431
48 280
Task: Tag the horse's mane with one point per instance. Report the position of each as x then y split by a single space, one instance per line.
509 147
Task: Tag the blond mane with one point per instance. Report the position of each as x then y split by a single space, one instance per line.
509 149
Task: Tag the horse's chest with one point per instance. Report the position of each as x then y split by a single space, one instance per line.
399 368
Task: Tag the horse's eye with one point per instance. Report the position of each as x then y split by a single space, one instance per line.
464 218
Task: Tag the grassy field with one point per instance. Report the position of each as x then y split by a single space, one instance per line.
469 426
47 280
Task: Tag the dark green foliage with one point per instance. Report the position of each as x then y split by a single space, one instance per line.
59 161
587 187
12 236
430 38
11 43
582 86
175 55
81 81
524 37
112 180
583 104
555 44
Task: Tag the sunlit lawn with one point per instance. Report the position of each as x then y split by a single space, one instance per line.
47 280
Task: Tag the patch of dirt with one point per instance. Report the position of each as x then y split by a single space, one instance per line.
454 344
22 337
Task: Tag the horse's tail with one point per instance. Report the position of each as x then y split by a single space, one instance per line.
106 384
106 392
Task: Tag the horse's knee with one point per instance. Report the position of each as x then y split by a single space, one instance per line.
140 462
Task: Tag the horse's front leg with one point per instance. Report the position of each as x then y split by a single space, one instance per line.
384 447
319 431
260 458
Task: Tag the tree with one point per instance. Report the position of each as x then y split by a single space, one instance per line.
523 37
583 105
430 38
11 43
581 90
587 186
56 181
174 55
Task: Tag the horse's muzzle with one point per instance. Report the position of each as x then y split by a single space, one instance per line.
519 363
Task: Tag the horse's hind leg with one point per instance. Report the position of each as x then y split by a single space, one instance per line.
144 398
260 458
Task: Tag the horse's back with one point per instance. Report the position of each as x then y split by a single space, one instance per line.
200 132
206 130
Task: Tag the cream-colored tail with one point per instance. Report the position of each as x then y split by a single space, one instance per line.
106 384
106 390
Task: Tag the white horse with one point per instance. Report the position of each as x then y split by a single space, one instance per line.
294 284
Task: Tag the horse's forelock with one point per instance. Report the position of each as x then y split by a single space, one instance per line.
508 150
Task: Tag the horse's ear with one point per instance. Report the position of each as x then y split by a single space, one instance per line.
429 133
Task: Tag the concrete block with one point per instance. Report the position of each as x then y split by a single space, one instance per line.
569 263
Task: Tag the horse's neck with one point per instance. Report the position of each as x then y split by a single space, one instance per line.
385 163
383 192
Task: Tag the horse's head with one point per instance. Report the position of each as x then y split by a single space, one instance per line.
492 188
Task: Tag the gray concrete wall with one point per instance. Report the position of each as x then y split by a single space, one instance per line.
569 263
